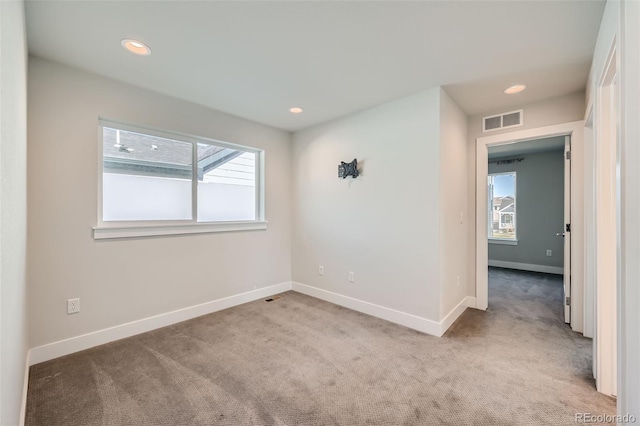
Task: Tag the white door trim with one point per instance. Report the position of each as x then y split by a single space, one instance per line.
574 129
589 228
567 234
607 221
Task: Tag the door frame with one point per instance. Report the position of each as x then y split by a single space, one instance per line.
575 131
608 235
590 228
567 233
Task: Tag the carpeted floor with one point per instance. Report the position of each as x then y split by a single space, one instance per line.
301 361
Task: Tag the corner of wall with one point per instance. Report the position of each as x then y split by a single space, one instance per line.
25 388
400 271
13 216
455 219
244 261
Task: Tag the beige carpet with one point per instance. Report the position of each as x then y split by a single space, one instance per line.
301 361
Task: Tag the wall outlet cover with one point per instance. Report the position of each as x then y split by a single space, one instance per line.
73 306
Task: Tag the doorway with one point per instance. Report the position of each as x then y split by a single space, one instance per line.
575 132
529 209
528 201
602 225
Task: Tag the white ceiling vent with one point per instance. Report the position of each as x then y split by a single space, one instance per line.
502 121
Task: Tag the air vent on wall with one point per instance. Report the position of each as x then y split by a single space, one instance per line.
502 121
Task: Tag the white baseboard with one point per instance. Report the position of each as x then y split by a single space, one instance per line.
100 337
471 302
527 267
415 322
25 387
452 316
75 344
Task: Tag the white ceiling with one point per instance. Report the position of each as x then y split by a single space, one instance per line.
258 59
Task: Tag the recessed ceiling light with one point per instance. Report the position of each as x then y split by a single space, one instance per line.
135 46
516 88
296 110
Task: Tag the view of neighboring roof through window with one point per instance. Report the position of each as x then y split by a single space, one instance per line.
502 206
150 178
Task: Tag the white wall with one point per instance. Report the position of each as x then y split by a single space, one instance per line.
384 225
563 109
125 280
456 216
629 378
133 197
621 25
239 202
397 226
13 210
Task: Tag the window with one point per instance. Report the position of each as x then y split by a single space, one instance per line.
160 179
502 206
506 220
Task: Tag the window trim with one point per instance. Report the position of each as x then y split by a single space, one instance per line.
503 241
110 232
506 241
149 228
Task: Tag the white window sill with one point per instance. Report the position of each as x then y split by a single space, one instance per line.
503 242
137 231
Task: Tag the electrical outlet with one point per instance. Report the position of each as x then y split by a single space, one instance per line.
458 280
548 252
352 277
73 306
321 270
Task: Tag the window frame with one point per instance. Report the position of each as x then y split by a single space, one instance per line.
147 228
505 241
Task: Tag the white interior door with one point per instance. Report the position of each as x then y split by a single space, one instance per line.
566 233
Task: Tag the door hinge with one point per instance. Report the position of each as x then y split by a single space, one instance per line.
568 300
568 155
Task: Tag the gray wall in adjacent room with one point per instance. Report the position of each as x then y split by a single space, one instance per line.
539 210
